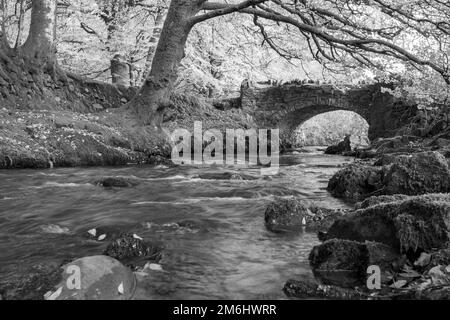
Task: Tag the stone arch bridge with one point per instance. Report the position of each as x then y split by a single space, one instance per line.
288 106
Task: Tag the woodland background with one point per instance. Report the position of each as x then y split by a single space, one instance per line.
221 53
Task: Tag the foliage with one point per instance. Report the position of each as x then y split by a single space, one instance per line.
330 128
222 52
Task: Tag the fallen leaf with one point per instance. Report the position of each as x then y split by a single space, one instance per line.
48 294
399 284
93 232
137 237
120 288
54 295
153 266
102 237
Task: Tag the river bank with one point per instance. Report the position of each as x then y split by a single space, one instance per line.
103 137
399 231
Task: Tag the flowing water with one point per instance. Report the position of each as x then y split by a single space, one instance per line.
216 244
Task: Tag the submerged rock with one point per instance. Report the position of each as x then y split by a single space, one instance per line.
284 215
420 173
131 249
341 147
412 223
116 182
38 280
306 289
310 289
226 176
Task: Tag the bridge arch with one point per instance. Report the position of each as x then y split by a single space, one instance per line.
330 128
287 106
290 121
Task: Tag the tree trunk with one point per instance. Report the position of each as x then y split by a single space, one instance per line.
155 92
3 41
156 34
39 45
120 71
20 25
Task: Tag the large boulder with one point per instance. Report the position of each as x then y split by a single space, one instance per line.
341 147
414 223
284 215
344 263
101 278
356 182
419 173
340 262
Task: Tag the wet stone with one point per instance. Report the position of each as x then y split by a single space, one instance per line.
116 182
133 250
94 278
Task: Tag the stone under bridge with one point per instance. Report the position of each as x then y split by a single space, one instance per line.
288 106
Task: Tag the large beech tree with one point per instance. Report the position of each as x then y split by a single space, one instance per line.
39 45
333 29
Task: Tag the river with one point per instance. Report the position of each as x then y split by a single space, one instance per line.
216 244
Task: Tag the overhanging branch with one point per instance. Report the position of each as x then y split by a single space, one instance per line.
220 9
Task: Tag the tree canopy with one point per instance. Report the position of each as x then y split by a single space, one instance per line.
227 41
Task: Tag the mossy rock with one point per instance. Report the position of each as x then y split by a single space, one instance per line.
413 223
288 215
344 263
133 251
416 174
307 289
356 182
420 173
